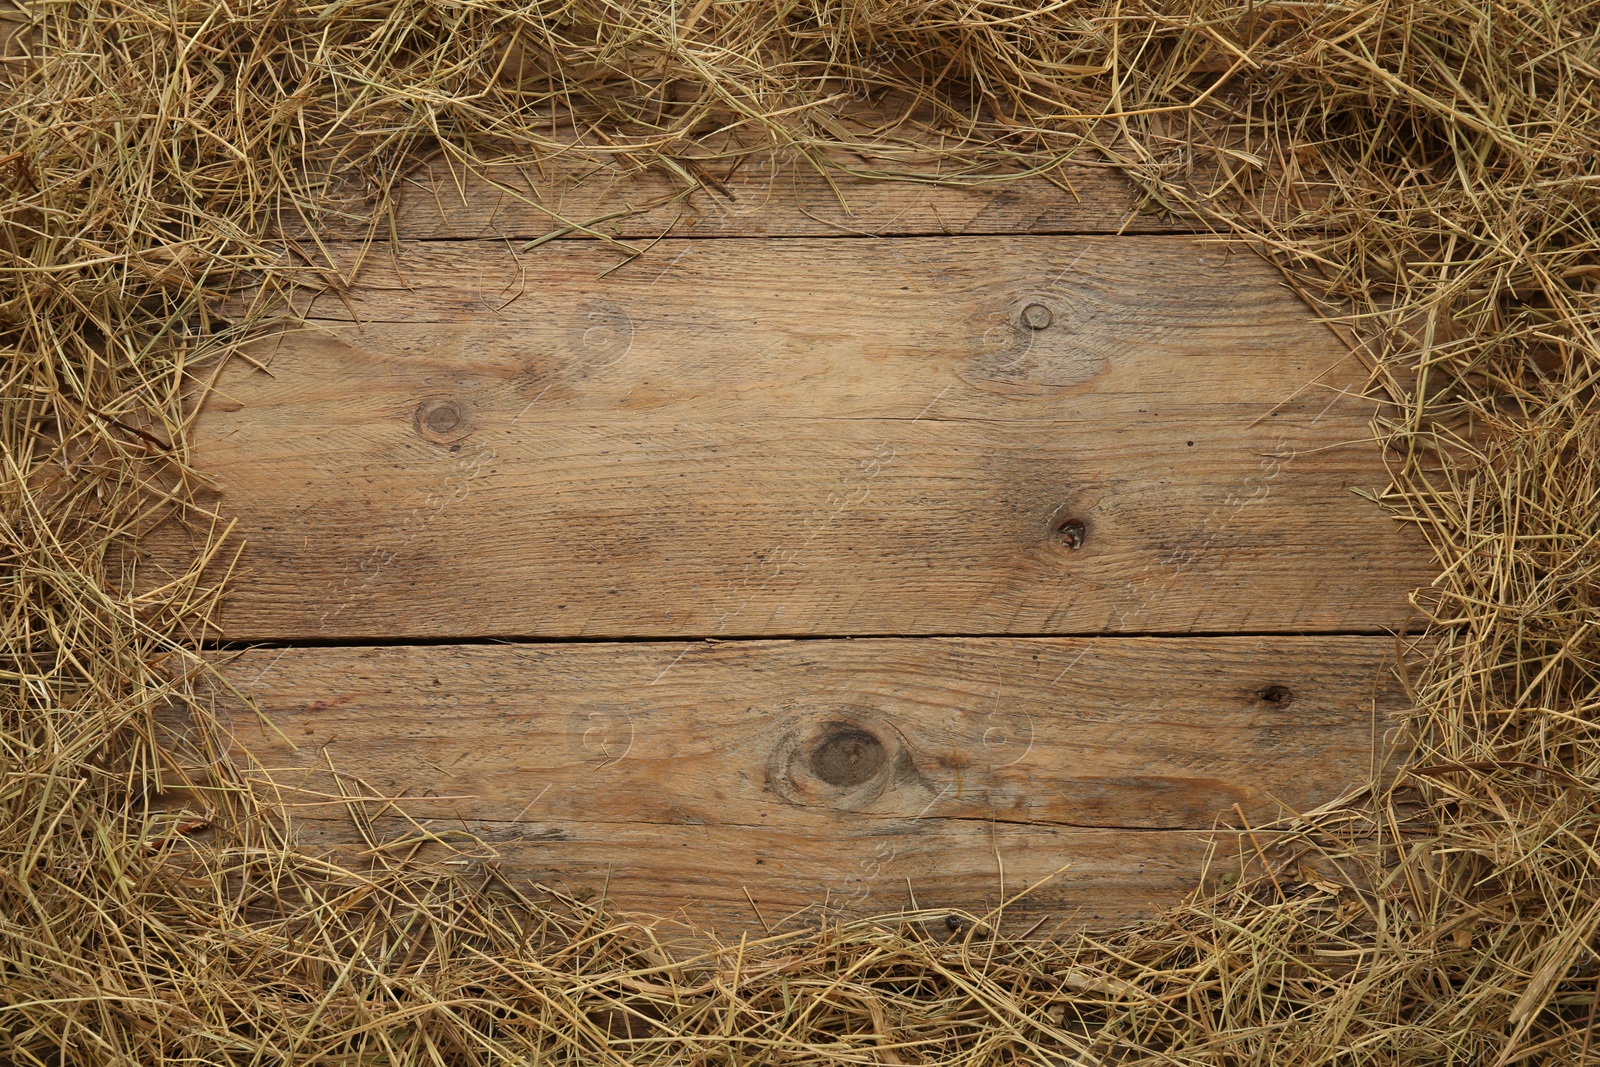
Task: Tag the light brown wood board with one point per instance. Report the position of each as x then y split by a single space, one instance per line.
1027 435
678 777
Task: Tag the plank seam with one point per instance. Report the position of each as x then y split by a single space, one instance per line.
841 235
247 644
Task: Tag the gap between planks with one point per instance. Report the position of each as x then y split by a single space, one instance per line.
244 644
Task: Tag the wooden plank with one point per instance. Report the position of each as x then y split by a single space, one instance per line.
689 773
699 875
995 435
766 196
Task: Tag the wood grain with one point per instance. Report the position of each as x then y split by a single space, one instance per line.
688 773
766 196
986 435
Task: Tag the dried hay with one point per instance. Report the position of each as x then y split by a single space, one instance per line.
1425 172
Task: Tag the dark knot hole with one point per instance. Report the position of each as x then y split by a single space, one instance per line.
848 757
1073 533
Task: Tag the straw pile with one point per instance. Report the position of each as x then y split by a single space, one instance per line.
1426 173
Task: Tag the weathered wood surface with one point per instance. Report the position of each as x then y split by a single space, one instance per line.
995 435
684 774
765 196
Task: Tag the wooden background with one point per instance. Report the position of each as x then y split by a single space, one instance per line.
909 548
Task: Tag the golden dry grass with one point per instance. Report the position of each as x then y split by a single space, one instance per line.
1426 173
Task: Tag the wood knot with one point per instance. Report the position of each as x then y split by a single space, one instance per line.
441 421
1281 695
848 757
1072 533
1037 316
1040 344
